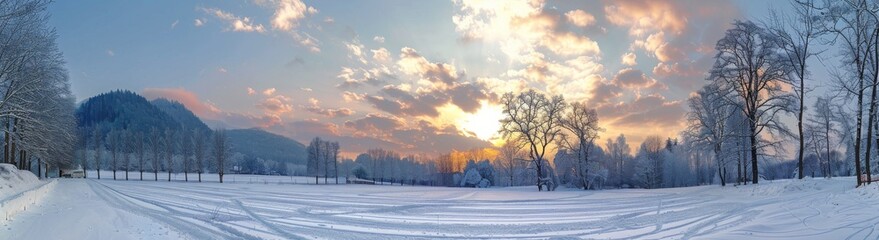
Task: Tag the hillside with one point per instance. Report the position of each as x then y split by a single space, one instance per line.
180 114
259 143
122 109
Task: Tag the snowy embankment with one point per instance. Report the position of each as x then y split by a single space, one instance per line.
19 190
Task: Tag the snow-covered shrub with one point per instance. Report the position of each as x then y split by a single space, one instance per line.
478 174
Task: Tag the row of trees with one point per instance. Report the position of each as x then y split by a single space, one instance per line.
157 150
36 105
323 159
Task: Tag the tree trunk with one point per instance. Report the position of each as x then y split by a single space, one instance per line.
754 173
870 119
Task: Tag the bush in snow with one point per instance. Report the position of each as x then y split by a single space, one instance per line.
478 174
360 172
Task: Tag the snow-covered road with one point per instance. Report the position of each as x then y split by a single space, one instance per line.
107 209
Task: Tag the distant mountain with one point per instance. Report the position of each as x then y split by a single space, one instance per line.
122 109
180 114
256 142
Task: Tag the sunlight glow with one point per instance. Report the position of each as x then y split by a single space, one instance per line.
484 123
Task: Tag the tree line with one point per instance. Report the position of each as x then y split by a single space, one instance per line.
36 106
187 151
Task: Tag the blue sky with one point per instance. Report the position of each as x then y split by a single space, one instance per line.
422 76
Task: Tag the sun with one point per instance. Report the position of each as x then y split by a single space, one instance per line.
484 123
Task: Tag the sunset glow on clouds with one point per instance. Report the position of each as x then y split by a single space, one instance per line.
419 77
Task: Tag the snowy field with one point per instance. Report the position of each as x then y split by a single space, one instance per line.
107 209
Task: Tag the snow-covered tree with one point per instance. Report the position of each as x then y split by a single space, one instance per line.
533 119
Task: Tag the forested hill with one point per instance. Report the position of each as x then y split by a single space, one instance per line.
258 143
124 110
180 114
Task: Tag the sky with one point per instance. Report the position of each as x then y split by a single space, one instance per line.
411 76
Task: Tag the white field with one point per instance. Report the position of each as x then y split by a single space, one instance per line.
107 209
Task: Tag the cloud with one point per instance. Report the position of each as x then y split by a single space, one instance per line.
110 53
375 125
236 23
222 70
288 14
629 59
645 112
381 55
379 39
580 18
356 77
635 79
314 107
268 91
571 44
250 91
644 16
276 106
352 97
174 24
304 89
355 50
307 41
437 73
198 22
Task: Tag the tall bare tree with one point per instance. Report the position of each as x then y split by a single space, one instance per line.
169 152
794 35
748 63
99 149
535 120
581 122
155 145
849 22
185 151
707 119
140 150
199 151
221 151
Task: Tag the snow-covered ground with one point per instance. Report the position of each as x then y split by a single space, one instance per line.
107 209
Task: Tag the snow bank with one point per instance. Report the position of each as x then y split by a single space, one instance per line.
14 181
19 189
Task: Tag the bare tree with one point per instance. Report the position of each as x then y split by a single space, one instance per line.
127 146
582 122
707 119
113 138
794 35
748 63
510 153
849 23
140 149
199 151
99 149
155 144
619 152
185 150
824 124
334 152
169 151
221 151
534 119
